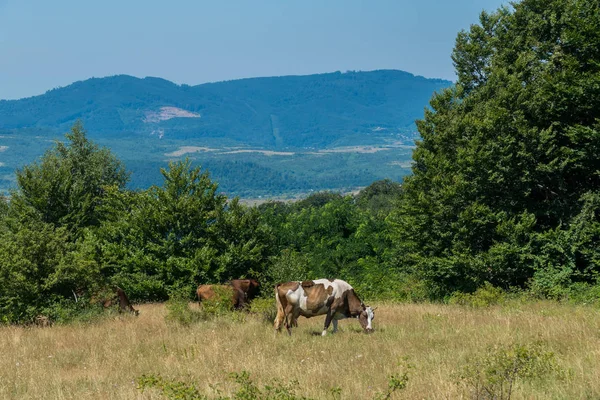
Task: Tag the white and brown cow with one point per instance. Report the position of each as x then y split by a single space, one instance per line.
334 298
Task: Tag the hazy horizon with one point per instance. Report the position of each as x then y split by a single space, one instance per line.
49 45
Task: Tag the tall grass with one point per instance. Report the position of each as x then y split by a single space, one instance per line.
104 360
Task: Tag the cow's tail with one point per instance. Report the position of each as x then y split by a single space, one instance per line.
280 310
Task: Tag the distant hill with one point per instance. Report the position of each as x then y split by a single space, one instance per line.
297 111
258 137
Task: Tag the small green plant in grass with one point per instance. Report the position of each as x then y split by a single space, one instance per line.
170 389
178 309
247 389
396 382
485 296
493 376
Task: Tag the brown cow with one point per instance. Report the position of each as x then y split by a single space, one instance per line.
242 291
248 288
124 304
334 298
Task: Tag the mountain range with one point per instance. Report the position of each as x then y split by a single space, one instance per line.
150 120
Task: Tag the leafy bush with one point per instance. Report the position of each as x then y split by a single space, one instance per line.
265 307
584 293
483 297
63 311
289 265
140 286
221 304
178 308
494 375
551 283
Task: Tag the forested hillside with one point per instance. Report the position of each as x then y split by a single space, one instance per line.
504 195
289 111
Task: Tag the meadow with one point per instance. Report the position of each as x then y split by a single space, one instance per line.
433 344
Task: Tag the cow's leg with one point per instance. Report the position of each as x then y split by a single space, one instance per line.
292 315
335 326
283 317
280 311
278 320
328 319
289 318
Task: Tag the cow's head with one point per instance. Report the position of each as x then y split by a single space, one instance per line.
366 318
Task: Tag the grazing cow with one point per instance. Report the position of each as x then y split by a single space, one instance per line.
124 304
243 290
248 288
334 298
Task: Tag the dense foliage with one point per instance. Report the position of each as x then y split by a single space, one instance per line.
505 193
506 178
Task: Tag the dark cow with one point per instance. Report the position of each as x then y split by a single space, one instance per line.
248 287
242 291
124 304
334 298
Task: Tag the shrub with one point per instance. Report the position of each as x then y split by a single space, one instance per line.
141 287
248 390
221 304
585 293
551 283
265 308
556 284
288 266
63 311
493 375
483 297
178 308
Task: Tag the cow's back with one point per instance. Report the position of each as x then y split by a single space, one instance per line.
205 292
336 287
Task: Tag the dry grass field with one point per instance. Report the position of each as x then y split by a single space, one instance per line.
102 360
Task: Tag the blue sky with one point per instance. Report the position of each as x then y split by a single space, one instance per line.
46 44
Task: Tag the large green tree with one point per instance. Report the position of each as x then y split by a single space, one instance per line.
66 186
509 153
45 260
179 234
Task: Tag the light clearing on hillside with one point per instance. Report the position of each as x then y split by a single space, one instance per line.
264 152
166 113
183 150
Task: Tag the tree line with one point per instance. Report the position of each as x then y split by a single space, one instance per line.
504 191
